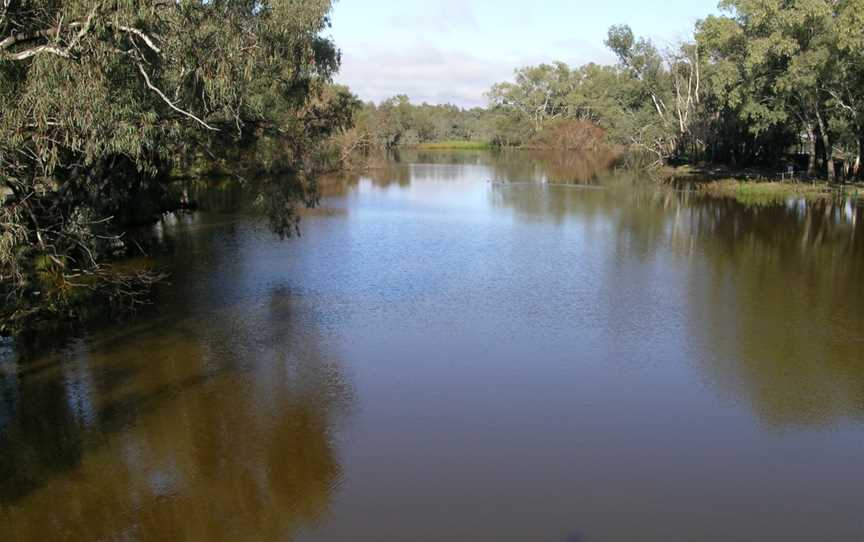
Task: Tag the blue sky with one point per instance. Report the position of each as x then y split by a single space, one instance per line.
453 51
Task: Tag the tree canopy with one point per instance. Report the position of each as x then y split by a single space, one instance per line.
760 82
101 100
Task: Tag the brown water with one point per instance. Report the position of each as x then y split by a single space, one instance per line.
444 358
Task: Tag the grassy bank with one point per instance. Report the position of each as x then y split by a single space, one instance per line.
767 192
755 186
455 145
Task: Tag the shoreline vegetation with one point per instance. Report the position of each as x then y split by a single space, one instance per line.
795 102
453 145
751 192
758 187
102 104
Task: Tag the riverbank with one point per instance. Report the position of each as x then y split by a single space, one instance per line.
453 146
757 187
767 192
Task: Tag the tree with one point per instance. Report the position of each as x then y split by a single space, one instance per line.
781 54
846 91
537 95
643 61
99 99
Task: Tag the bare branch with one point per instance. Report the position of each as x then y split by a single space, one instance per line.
15 39
65 52
4 8
29 53
171 104
839 99
147 39
85 29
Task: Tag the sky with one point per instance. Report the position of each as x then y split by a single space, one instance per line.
453 51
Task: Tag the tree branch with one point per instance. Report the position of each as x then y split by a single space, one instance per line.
29 53
4 8
85 29
147 39
171 104
15 39
65 52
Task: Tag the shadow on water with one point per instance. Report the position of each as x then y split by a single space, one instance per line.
162 427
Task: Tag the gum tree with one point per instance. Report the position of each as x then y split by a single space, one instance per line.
776 59
99 100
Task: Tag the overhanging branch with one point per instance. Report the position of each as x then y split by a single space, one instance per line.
171 104
140 33
65 52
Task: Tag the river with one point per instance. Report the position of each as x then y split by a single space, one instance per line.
461 347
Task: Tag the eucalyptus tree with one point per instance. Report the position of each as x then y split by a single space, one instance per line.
642 59
598 94
100 98
396 122
777 66
666 93
550 94
847 89
538 94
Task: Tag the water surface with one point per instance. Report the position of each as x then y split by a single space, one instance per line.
461 347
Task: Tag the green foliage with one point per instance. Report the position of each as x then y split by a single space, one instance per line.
397 122
789 70
761 83
539 93
100 100
612 98
755 193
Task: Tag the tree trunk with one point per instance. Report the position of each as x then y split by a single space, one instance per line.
828 148
858 171
829 158
811 152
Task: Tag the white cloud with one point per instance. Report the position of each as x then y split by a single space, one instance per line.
455 50
426 73
442 17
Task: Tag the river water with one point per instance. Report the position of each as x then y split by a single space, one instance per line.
461 347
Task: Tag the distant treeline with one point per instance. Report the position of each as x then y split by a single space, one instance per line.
397 122
766 83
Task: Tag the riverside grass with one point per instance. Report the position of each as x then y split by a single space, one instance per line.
455 145
771 192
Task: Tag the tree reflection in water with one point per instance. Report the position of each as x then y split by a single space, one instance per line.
775 289
175 430
649 315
